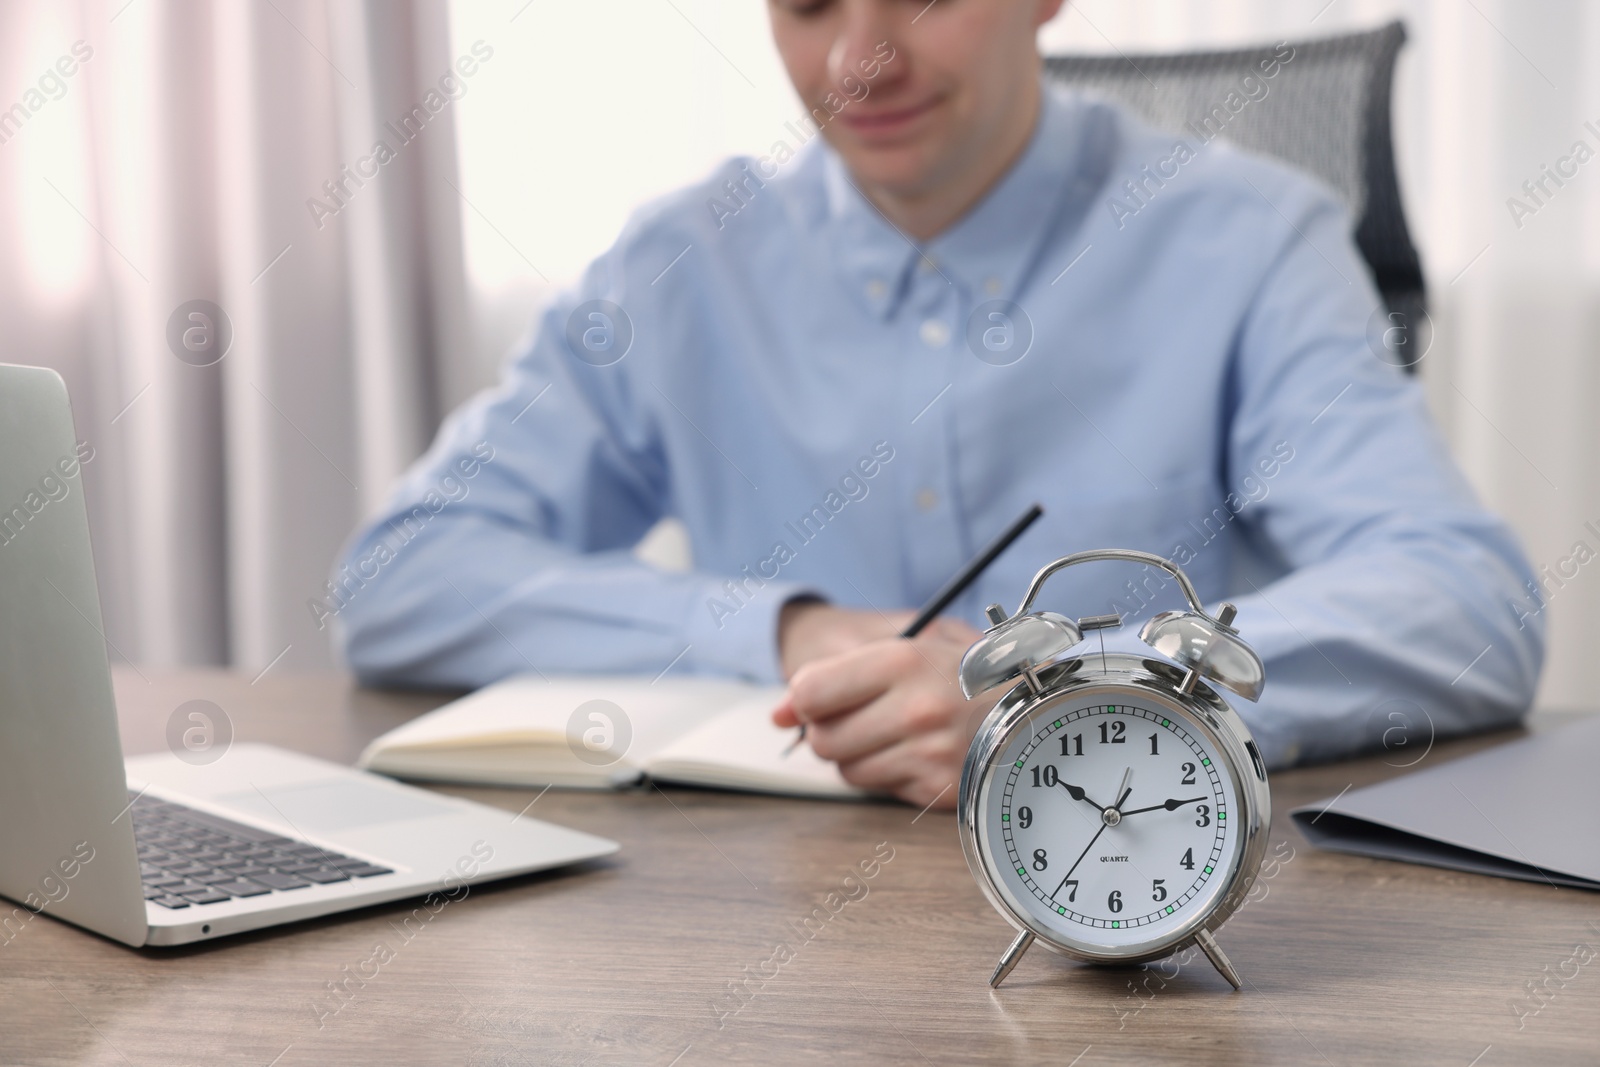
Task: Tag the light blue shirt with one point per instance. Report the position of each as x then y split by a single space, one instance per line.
1181 365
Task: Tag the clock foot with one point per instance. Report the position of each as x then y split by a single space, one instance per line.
1213 951
1009 960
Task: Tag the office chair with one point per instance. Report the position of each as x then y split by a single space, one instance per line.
1326 112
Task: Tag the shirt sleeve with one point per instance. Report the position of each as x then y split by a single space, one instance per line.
1397 620
507 548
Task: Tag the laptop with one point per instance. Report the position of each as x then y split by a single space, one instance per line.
160 850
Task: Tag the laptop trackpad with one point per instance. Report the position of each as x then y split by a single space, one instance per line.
334 804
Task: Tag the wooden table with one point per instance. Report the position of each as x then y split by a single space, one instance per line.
634 960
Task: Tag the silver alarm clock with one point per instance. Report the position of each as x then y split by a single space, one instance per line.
1113 806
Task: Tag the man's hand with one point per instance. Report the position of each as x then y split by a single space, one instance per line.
888 710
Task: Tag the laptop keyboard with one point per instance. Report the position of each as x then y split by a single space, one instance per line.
189 857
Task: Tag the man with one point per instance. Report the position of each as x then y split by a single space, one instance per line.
846 367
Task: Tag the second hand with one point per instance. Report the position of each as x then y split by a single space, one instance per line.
1124 789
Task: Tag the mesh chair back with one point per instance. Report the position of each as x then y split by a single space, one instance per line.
1326 111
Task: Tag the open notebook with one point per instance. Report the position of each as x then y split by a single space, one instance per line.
528 730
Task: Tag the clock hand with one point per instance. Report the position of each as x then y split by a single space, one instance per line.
1079 860
1170 805
1077 793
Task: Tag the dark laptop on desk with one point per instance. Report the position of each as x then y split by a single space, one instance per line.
158 851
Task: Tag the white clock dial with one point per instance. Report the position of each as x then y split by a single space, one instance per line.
1099 862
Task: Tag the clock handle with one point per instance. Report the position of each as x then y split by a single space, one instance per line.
1213 951
1010 959
1126 555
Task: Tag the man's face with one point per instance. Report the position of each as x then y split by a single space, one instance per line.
925 88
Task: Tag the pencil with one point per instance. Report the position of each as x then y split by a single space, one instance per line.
957 585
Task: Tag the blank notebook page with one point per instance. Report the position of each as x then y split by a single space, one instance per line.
742 749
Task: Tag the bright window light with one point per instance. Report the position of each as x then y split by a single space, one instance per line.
46 134
587 110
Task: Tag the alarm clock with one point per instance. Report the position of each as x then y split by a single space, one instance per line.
1113 806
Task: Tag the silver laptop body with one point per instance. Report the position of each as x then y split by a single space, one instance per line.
260 836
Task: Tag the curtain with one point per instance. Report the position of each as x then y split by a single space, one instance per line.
251 310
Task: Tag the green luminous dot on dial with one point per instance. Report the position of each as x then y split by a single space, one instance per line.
1222 815
1115 925
1208 870
1061 910
1005 818
1058 724
1025 873
1206 762
1019 763
1169 909
1164 722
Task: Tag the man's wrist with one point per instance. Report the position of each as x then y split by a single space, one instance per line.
735 637
791 623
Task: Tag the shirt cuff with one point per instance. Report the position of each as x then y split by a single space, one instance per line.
734 631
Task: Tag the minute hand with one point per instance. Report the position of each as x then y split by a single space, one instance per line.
1170 805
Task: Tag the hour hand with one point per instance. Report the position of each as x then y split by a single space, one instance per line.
1076 792
1170 805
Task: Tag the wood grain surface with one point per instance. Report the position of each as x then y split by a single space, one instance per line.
740 929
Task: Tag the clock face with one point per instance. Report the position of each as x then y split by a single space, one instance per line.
1110 819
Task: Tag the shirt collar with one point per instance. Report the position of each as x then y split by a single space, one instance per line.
989 250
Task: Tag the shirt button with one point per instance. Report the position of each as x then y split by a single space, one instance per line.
927 499
934 333
876 289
